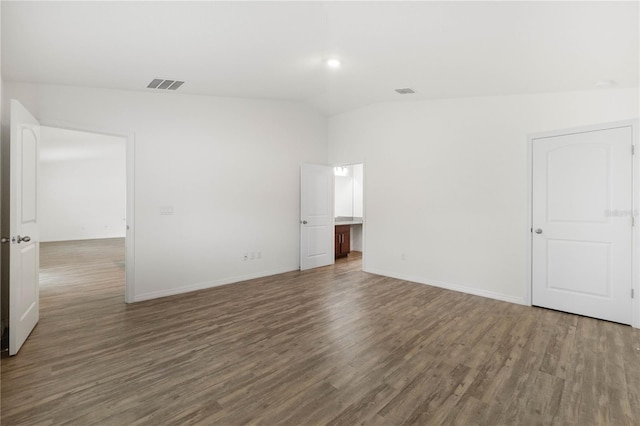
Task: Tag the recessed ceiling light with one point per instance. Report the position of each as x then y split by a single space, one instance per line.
405 91
333 63
605 83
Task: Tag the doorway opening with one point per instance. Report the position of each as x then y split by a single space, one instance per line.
349 212
83 207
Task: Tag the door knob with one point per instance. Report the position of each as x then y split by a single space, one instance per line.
304 222
20 239
538 231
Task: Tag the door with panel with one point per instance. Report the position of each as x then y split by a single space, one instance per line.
316 216
582 223
24 239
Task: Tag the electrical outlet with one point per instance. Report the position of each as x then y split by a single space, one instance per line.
258 255
246 257
403 256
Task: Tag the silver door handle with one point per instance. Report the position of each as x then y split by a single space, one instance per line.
5 240
538 231
20 239
304 222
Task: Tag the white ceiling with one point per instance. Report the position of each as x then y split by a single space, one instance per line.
275 50
70 145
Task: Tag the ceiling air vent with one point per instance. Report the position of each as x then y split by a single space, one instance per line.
159 83
405 91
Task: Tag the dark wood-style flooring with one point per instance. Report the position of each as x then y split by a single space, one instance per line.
333 346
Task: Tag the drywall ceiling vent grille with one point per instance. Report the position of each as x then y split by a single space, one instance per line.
159 83
405 91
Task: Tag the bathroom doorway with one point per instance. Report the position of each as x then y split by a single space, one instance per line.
349 212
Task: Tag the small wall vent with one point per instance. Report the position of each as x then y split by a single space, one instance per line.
405 91
158 83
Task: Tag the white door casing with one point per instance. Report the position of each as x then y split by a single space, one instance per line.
23 226
316 216
130 213
582 212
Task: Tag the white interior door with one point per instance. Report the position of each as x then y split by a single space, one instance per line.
23 226
582 223
316 216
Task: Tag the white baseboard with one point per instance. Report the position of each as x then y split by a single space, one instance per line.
211 284
262 274
449 286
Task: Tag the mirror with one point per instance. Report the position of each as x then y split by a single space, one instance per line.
349 191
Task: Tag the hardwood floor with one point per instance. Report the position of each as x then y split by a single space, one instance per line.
328 346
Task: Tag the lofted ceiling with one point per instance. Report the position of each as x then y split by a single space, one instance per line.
277 50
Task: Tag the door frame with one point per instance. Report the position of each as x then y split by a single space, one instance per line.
129 292
364 208
635 236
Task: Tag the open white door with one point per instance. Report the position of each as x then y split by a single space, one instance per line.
316 216
23 226
582 223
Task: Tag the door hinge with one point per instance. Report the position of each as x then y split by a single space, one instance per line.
632 293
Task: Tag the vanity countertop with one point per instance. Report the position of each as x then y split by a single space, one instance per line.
348 220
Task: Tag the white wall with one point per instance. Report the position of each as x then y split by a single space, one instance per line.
356 237
446 182
358 206
82 185
229 168
358 190
343 195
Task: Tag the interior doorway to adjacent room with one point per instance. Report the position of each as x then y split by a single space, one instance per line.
349 211
82 206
